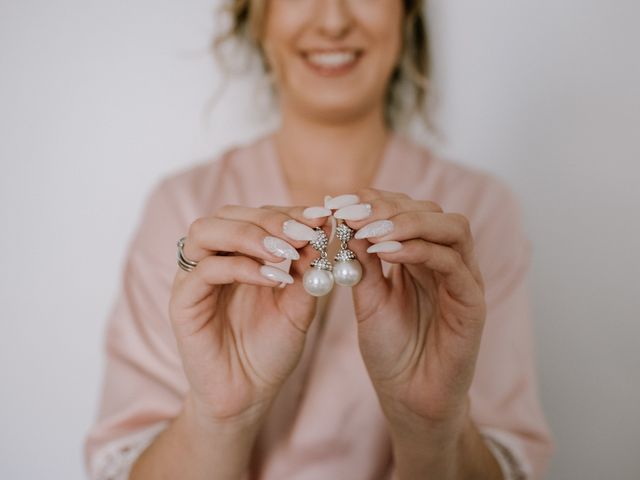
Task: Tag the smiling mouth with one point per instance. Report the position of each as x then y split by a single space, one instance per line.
332 62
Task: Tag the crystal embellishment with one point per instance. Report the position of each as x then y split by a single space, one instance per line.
322 263
344 255
321 242
344 233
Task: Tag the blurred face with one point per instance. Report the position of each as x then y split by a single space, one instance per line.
332 59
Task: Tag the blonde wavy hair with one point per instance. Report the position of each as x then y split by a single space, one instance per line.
408 91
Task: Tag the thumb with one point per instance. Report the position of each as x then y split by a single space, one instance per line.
373 287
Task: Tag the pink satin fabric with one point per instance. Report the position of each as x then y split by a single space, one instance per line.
326 423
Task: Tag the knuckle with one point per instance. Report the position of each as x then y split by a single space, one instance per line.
385 207
264 217
396 206
197 228
368 193
463 224
203 268
277 223
455 259
245 232
432 206
275 215
271 212
377 205
242 264
414 218
224 211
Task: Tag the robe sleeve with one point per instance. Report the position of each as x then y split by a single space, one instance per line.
143 383
504 394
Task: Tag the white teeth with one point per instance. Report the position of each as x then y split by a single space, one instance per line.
333 59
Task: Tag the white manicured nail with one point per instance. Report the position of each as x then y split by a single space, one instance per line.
354 212
280 248
316 212
284 265
341 201
385 247
375 229
275 274
298 231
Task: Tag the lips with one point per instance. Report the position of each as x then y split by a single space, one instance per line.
332 61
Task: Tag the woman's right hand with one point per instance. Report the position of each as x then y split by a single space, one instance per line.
239 337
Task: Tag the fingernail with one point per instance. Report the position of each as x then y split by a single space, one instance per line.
298 231
280 248
341 201
316 212
385 247
275 274
354 212
375 229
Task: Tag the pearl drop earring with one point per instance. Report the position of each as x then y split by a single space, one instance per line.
318 280
347 270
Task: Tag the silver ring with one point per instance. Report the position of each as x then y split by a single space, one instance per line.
183 262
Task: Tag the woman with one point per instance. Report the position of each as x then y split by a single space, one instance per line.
238 378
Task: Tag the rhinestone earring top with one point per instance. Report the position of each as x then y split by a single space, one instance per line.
347 270
318 280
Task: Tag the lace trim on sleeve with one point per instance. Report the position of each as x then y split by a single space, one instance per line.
114 460
508 453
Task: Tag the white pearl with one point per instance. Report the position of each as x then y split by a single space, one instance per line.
317 282
347 273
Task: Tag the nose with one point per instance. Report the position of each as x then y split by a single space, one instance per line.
333 17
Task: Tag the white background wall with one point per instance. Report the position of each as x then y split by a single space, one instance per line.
100 99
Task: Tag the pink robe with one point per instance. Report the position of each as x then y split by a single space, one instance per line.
326 422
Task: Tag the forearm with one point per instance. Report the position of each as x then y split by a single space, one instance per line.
193 448
441 452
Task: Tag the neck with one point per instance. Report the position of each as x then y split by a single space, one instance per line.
321 158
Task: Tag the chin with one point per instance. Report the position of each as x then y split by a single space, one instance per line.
338 108
338 114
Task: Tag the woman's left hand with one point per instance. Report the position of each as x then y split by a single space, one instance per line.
419 327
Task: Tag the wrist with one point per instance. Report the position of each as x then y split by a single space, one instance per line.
219 447
451 451
445 424
429 455
429 447
202 419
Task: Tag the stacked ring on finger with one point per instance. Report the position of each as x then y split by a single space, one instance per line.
183 262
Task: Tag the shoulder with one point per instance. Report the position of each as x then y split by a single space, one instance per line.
456 186
490 204
199 184
181 196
